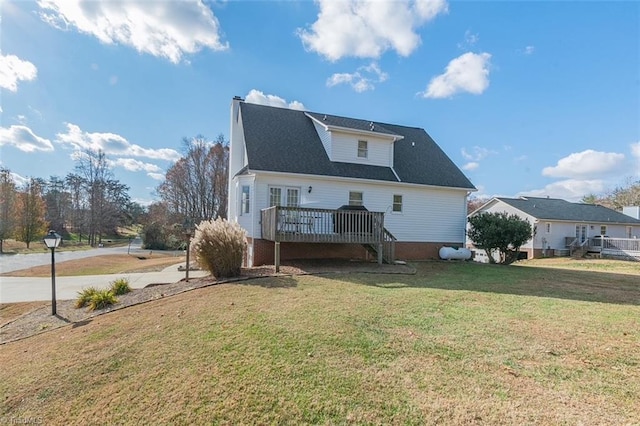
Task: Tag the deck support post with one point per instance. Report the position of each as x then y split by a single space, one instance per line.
380 253
277 256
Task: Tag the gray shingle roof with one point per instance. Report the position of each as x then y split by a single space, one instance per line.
556 209
351 123
285 140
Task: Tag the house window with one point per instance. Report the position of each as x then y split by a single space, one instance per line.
245 200
363 149
355 198
275 195
603 230
284 196
293 197
397 203
548 227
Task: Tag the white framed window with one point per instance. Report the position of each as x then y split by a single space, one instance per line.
548 227
245 200
603 230
293 197
363 149
288 196
275 196
355 198
397 203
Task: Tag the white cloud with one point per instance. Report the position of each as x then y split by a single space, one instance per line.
166 29
529 50
112 144
24 139
471 166
366 29
479 153
586 164
470 40
466 73
571 189
134 165
14 69
258 97
113 80
156 176
362 80
19 180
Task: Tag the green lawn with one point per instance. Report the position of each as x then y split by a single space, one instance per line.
457 343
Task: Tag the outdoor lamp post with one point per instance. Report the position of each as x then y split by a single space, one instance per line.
187 227
52 240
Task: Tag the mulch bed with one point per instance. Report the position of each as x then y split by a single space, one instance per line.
40 319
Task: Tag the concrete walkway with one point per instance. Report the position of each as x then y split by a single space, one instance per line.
28 289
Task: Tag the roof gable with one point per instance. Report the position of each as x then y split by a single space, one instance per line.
285 140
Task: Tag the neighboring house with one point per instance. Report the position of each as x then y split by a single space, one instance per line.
560 226
291 174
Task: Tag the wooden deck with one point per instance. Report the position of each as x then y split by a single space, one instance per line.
311 225
615 247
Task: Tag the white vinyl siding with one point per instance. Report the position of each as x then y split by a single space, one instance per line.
344 148
325 137
429 214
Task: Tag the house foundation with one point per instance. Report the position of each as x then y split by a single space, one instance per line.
262 252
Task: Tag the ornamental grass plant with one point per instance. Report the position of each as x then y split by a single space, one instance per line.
218 246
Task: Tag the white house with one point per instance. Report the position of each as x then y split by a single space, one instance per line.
558 223
291 171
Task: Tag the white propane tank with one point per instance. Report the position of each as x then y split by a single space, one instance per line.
454 253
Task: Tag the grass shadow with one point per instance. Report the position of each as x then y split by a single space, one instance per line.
585 286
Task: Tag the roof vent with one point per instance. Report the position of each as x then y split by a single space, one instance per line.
371 126
324 118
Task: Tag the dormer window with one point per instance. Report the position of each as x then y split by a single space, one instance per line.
363 149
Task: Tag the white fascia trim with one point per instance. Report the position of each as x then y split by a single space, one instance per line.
372 181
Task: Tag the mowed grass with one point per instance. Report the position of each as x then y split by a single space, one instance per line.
105 264
457 343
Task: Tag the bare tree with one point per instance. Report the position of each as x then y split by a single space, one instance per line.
58 203
196 185
105 197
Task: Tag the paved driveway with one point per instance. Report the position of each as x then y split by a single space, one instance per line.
15 262
27 289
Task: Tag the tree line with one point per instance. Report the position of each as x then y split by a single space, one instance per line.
91 203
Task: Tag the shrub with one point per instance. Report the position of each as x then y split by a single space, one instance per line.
218 247
499 233
120 286
84 296
101 299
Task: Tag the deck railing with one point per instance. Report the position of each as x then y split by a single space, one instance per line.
311 225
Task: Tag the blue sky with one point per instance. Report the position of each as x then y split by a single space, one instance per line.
537 98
